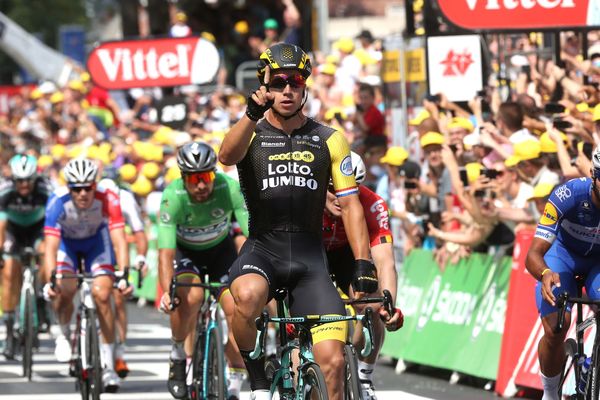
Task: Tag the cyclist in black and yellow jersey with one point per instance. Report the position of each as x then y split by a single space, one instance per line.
284 164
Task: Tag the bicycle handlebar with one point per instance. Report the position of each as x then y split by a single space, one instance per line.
174 285
561 303
80 277
386 299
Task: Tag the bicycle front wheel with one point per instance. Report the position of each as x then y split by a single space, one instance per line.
351 379
215 371
314 387
594 374
28 333
94 372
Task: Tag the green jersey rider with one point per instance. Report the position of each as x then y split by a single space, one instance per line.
194 232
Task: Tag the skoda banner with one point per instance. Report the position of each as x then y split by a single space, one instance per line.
453 319
153 62
521 14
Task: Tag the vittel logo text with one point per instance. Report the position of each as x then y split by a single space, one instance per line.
289 174
526 4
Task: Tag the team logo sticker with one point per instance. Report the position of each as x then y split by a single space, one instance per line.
549 216
165 217
346 166
217 212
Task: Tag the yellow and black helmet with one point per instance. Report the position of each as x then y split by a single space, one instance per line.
284 56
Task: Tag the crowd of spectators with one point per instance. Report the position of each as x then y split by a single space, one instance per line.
470 176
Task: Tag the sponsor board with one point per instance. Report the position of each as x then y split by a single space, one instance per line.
153 62
521 14
455 319
454 65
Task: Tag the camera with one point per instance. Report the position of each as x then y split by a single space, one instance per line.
554 108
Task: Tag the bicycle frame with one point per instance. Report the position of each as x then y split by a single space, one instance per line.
580 327
207 321
284 376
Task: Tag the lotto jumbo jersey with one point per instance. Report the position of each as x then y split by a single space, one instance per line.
284 177
571 218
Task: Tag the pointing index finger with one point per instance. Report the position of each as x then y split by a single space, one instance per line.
267 74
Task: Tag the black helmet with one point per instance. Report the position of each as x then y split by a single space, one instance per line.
284 56
196 157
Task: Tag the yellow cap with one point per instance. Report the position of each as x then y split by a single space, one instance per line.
74 151
473 171
57 97
364 57
459 122
45 161
328 69
582 107
332 59
523 151
76 85
85 77
330 114
541 190
151 170
163 135
547 145
36 94
241 27
142 186
128 172
395 155
345 45
421 116
208 36
180 16
432 138
596 113
58 151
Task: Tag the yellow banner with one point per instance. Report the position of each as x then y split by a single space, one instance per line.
390 68
414 66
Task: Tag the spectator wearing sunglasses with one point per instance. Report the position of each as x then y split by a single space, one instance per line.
195 217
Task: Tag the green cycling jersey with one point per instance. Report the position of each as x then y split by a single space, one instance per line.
200 226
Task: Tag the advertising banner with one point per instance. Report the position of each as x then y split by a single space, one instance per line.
521 14
455 319
153 62
454 66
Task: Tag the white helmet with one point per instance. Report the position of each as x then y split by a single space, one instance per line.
109 184
596 162
80 172
358 167
23 166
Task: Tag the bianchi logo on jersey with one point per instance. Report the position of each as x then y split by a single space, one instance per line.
305 156
289 174
346 166
272 144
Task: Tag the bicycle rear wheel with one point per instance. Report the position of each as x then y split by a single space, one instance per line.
215 372
315 387
93 355
351 379
27 332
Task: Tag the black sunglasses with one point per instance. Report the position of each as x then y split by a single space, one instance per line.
23 180
79 189
279 82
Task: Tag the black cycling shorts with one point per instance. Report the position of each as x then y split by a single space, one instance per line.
292 260
342 266
214 261
18 237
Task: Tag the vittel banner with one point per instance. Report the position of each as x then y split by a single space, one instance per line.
521 14
153 62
